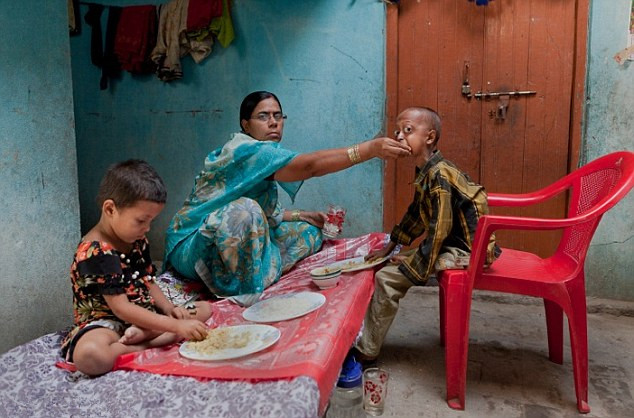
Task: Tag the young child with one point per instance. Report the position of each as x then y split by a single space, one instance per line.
118 307
446 205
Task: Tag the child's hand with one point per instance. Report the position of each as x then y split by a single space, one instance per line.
398 259
180 312
377 254
192 329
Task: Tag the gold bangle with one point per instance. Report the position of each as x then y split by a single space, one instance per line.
356 153
295 215
353 154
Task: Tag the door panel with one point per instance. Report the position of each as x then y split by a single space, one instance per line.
438 45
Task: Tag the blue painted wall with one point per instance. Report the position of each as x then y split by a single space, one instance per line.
38 182
325 61
610 127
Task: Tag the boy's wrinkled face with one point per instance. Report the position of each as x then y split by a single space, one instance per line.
133 222
415 130
266 122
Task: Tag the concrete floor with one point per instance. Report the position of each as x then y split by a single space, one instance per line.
509 374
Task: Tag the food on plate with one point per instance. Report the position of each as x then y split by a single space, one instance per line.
221 339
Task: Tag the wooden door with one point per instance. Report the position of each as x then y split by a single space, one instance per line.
508 144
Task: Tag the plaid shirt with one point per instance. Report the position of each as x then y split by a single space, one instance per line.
447 204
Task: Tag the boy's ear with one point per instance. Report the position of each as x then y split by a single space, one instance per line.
108 207
431 137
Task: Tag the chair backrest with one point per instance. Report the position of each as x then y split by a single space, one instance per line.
595 188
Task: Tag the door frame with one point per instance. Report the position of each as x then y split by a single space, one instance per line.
582 12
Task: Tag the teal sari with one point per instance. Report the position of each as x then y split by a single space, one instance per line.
229 233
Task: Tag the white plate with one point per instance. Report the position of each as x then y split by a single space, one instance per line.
283 307
259 338
354 264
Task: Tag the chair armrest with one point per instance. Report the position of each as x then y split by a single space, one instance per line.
532 198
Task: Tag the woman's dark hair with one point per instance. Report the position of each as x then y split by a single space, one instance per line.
130 181
251 101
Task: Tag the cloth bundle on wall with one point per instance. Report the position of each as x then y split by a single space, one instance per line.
144 39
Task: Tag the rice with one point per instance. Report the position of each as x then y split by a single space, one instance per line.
220 339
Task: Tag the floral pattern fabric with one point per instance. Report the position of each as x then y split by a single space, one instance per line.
97 270
229 233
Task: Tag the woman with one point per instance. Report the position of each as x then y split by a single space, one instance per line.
232 232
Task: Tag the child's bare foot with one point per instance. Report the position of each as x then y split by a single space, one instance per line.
133 335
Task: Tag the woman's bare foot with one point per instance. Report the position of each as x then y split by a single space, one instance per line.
134 335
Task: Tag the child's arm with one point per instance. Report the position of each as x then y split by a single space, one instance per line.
160 299
143 318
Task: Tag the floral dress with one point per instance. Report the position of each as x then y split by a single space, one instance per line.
229 233
97 270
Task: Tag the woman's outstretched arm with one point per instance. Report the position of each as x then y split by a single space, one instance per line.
319 163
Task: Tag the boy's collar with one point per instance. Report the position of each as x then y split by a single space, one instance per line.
435 158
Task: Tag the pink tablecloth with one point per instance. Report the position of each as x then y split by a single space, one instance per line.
313 345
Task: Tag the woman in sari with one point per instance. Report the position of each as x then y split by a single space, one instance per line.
232 233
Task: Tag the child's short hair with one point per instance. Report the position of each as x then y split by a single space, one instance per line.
130 181
433 118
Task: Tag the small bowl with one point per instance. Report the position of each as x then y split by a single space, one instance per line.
323 272
327 282
325 278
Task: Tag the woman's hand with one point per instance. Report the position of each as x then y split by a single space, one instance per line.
314 218
388 148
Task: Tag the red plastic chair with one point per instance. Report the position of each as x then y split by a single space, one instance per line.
559 279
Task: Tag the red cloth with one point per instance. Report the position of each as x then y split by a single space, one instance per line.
314 345
200 13
135 38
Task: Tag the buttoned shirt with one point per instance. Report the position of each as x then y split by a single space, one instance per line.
447 204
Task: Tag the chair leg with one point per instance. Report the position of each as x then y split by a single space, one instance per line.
578 326
457 306
555 330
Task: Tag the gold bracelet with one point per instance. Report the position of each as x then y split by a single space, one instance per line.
295 215
356 152
353 154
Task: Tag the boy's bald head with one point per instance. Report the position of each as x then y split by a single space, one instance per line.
425 115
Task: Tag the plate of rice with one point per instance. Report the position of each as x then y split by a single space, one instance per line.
224 343
284 307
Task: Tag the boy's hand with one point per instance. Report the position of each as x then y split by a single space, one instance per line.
192 329
398 259
383 252
377 254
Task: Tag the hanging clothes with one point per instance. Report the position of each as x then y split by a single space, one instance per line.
172 42
74 21
220 27
103 57
135 38
200 13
